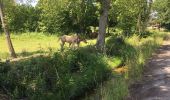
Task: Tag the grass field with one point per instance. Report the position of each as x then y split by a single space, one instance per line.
71 73
31 43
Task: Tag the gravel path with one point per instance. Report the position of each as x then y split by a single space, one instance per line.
155 84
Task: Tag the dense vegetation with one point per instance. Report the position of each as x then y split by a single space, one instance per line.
63 75
79 15
69 74
162 8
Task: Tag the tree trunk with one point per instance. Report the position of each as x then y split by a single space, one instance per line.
144 14
4 25
147 15
105 6
139 23
108 28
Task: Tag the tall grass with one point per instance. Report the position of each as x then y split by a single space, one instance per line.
62 76
143 49
134 52
69 74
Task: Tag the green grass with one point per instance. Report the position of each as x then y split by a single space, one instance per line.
68 74
62 76
133 52
26 44
29 43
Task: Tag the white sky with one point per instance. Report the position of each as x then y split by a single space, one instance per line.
32 2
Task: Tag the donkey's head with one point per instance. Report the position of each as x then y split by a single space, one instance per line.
81 39
84 40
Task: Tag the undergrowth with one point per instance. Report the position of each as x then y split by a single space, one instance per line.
63 76
69 74
133 52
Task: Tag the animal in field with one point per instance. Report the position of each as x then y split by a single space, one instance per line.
72 40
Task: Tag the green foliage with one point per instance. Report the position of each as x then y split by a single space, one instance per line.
68 16
126 12
134 50
74 15
68 74
63 76
115 45
115 89
27 44
49 10
143 49
130 15
162 7
23 18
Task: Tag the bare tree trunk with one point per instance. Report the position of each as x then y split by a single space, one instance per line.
147 15
4 25
144 14
108 26
139 23
105 6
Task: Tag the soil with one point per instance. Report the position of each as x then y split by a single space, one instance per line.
155 84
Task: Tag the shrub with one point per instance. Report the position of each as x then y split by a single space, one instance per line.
65 75
114 45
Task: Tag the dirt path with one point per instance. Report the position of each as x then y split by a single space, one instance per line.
155 84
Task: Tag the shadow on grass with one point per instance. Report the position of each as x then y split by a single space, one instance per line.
62 76
26 53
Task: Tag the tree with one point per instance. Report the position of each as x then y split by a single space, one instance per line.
144 11
105 6
22 18
7 33
126 14
162 8
67 15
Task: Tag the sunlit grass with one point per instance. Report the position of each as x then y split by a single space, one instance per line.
30 43
133 55
136 53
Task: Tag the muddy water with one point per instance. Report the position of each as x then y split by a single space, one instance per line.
155 84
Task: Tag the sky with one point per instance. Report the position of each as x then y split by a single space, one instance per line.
32 2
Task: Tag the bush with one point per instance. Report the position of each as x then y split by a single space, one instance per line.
118 47
65 75
134 51
114 45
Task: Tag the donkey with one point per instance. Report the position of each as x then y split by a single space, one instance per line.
72 40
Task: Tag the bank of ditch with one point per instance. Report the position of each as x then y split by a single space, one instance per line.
70 74
135 51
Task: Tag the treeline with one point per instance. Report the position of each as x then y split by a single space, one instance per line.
21 18
66 16
162 8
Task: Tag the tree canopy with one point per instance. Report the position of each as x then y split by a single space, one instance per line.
162 8
77 16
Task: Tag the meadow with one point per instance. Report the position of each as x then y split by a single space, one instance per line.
42 71
72 73
27 44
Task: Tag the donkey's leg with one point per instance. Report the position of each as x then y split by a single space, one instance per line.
70 45
73 45
62 46
78 44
